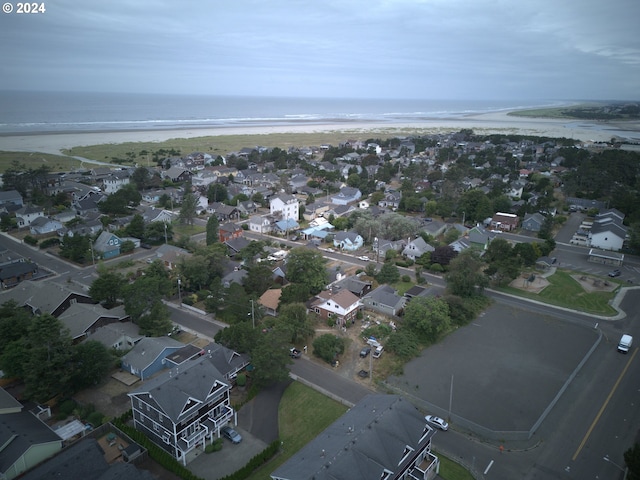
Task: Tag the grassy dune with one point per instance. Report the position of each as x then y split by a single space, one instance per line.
57 163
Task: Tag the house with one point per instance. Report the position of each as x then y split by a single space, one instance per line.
391 200
533 222
82 319
354 284
152 214
285 205
16 272
607 231
222 211
385 300
27 214
44 226
247 208
341 307
171 255
349 241
416 248
229 231
381 437
115 181
26 440
315 210
107 245
147 356
270 300
88 205
177 174
260 224
45 297
119 336
87 460
226 361
420 291
190 405
283 227
340 210
505 222
234 245
10 198
346 195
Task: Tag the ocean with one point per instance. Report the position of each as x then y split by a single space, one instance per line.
55 112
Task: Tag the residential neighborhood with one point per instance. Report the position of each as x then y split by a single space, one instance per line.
189 283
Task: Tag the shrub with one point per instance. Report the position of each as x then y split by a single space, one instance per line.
241 380
405 278
95 418
216 446
66 408
49 242
28 239
436 267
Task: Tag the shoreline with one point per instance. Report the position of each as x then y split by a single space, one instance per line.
487 123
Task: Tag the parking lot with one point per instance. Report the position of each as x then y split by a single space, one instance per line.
508 366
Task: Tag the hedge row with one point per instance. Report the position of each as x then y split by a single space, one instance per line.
256 462
165 460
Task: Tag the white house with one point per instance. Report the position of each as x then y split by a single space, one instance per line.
417 248
28 214
285 205
260 224
115 181
349 241
346 195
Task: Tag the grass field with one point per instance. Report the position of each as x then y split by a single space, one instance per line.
57 163
303 414
564 291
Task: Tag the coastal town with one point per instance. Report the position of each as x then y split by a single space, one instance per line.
193 283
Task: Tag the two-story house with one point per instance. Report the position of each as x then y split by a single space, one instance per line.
184 408
342 306
115 181
108 245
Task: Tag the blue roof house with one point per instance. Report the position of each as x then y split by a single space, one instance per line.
148 356
349 241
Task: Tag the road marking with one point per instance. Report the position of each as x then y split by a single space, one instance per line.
604 405
486 470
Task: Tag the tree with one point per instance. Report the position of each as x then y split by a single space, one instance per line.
212 230
217 192
76 248
240 337
188 209
141 296
403 343
47 372
155 322
141 177
295 321
136 227
306 266
465 277
632 461
91 363
270 357
155 232
328 347
427 317
107 288
258 280
389 273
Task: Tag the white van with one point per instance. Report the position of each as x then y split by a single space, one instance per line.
378 351
625 343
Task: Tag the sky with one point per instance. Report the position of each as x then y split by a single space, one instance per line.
422 49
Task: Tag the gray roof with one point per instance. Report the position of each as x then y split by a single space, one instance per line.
79 317
225 360
43 297
85 460
109 334
148 349
20 432
342 236
371 437
174 390
385 295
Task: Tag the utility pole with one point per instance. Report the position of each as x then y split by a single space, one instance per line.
165 233
179 293
253 315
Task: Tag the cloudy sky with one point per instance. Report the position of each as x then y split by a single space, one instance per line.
432 49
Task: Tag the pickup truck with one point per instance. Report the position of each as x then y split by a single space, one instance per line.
294 353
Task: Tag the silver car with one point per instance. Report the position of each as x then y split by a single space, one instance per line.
231 434
437 422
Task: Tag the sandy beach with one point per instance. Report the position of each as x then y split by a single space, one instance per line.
497 122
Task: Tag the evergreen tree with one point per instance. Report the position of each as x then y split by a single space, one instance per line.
212 229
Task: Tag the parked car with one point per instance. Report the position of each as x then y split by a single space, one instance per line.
230 434
437 422
615 273
364 258
294 353
365 351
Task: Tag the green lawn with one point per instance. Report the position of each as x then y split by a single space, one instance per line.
57 163
402 287
564 291
303 414
450 470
